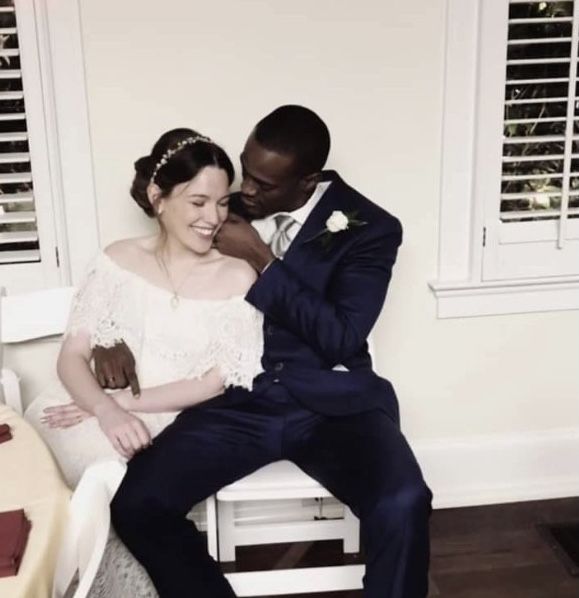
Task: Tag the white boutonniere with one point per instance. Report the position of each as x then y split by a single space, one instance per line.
337 223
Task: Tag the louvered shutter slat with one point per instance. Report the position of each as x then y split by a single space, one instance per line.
542 100
535 61
523 121
540 158
16 177
25 255
13 116
539 21
540 40
10 74
538 215
11 95
531 177
545 80
17 217
536 139
535 195
18 198
14 158
18 237
16 136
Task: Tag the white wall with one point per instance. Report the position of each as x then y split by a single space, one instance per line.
373 71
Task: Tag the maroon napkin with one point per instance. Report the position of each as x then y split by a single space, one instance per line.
14 530
5 433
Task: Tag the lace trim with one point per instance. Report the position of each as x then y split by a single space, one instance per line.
102 308
236 346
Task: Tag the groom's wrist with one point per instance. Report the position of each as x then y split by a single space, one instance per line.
262 258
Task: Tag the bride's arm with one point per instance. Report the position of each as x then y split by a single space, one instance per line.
75 374
173 396
126 432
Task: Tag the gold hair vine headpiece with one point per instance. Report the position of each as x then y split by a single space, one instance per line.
172 151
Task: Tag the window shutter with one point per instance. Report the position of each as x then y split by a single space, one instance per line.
30 194
532 230
18 229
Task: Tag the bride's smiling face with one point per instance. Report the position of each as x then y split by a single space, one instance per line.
195 210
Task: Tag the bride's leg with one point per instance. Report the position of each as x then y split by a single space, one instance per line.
74 448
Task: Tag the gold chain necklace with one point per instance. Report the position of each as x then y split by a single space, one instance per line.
175 299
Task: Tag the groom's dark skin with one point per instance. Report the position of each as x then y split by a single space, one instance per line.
115 368
271 182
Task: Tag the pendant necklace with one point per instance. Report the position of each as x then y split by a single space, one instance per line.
175 299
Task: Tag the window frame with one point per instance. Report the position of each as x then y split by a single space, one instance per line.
50 38
470 67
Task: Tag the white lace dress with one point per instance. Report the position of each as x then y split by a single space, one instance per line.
169 344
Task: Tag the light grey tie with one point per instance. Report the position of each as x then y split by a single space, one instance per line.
281 240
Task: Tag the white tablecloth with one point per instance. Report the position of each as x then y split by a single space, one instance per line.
30 479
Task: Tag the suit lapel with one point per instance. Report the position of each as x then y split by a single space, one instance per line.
306 243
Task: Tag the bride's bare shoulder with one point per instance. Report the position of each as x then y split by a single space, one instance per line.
238 274
129 253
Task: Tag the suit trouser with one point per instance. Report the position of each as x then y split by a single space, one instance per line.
362 459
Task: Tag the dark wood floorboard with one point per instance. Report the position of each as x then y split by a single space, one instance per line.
479 552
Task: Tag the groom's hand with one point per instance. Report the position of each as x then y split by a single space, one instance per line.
238 238
115 367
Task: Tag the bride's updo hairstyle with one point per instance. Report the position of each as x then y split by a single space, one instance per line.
177 157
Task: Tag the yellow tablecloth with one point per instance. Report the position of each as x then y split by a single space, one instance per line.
30 479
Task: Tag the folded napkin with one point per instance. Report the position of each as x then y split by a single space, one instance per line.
5 433
14 530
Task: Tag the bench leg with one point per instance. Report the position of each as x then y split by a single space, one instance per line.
351 532
211 516
226 531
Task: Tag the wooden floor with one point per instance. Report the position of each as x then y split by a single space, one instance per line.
478 552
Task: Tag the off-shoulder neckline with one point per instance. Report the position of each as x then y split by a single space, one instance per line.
147 283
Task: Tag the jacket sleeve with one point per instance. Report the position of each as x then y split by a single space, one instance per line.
334 324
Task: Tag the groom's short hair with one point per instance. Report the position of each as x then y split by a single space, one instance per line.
297 131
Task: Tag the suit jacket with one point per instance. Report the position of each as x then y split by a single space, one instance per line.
320 304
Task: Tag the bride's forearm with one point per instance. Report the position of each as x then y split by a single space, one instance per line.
174 396
73 368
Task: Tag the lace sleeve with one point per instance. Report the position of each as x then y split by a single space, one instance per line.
240 345
97 304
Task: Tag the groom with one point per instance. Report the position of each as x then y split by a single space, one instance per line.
324 254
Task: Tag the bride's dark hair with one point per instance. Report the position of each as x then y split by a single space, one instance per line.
179 167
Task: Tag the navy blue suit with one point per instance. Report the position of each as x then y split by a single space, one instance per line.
340 427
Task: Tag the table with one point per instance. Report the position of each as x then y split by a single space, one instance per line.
30 479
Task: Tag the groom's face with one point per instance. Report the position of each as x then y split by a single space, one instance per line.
270 181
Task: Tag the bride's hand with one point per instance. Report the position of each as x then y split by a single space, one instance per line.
64 416
126 432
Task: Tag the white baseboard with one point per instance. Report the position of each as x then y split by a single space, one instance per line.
496 469
462 472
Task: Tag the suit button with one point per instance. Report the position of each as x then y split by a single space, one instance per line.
269 331
276 380
278 366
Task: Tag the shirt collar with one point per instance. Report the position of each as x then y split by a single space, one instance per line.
301 214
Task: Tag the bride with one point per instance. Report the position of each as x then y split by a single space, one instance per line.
172 297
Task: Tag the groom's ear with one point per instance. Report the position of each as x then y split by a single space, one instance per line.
310 182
